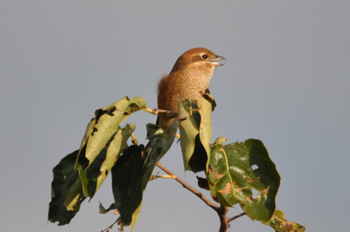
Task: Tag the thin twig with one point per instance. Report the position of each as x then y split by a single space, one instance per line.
220 210
235 217
110 227
190 188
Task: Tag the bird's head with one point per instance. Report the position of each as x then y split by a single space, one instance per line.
198 58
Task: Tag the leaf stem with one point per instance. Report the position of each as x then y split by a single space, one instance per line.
151 111
163 176
157 111
134 140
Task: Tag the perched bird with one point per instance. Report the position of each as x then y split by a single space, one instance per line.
188 79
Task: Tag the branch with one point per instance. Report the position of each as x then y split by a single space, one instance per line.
223 218
190 188
235 217
220 210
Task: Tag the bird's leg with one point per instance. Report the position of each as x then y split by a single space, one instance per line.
207 95
210 98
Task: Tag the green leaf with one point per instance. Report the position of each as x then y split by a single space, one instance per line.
237 171
103 210
195 132
66 191
133 170
280 224
103 132
127 182
93 176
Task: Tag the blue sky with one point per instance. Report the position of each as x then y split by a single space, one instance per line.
285 81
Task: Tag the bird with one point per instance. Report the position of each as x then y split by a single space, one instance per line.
189 79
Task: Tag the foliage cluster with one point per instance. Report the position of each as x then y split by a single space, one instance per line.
236 173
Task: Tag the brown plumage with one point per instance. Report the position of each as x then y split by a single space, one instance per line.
188 79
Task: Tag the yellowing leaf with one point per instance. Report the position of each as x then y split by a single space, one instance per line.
103 142
195 131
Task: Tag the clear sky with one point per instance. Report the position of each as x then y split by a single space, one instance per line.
286 81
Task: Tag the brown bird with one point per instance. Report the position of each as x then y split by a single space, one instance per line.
188 79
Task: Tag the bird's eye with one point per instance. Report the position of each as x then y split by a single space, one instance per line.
205 56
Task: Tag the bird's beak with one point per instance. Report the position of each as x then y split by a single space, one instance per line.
217 58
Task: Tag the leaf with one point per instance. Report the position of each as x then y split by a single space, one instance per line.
188 131
93 176
103 210
104 126
237 171
127 182
280 224
135 215
195 131
66 191
102 132
205 129
133 170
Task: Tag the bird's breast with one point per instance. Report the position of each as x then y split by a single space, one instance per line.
185 85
